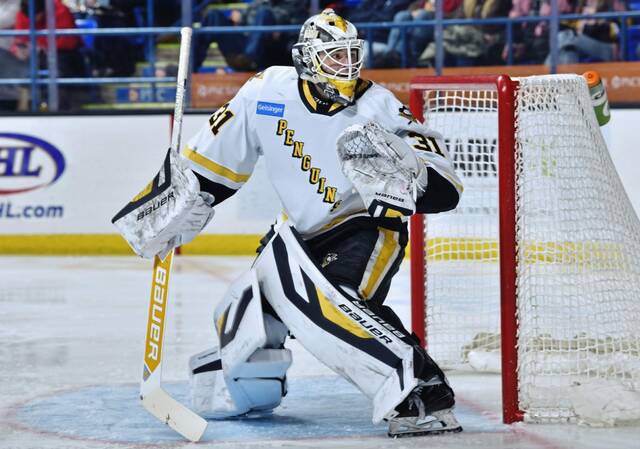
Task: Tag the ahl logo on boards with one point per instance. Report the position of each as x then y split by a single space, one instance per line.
28 163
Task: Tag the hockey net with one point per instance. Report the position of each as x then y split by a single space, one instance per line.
537 272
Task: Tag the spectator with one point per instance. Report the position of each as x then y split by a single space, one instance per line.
565 33
594 40
8 11
70 60
530 44
474 45
468 45
377 11
117 55
64 19
252 51
416 38
10 66
577 40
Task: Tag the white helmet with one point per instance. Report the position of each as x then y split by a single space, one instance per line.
329 54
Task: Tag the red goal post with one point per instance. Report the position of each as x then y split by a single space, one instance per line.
505 88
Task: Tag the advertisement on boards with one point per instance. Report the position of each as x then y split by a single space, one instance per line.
70 175
622 80
28 164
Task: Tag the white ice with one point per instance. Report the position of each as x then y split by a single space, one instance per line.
71 341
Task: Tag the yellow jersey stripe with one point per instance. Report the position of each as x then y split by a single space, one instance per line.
214 167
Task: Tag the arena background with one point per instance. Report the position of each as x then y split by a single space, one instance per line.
109 158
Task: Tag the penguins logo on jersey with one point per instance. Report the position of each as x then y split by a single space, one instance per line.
330 257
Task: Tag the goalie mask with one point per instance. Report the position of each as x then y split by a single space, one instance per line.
330 55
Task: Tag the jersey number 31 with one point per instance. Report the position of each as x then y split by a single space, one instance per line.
425 143
219 118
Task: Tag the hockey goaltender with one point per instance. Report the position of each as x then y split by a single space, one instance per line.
350 164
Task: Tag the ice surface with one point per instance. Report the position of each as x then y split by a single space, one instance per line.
71 341
316 407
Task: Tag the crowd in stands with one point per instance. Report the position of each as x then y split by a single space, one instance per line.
253 51
464 45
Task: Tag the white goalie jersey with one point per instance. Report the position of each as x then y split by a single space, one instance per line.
277 115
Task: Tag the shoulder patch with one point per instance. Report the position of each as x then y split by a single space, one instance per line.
406 113
273 109
362 86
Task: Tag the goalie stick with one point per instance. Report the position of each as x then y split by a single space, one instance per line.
154 398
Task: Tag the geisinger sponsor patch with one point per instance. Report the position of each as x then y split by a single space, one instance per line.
273 109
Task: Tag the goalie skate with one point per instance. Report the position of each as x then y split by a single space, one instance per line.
428 410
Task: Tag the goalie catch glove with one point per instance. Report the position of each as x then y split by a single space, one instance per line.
169 212
383 169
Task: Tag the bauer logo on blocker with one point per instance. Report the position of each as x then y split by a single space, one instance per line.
273 109
27 163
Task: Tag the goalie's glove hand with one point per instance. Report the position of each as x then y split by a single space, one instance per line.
169 212
406 158
383 169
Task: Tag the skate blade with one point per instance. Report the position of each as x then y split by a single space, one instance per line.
424 432
410 427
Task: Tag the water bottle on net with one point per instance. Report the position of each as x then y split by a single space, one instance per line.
598 97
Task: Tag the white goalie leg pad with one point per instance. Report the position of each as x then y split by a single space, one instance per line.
260 387
239 322
169 212
248 373
340 332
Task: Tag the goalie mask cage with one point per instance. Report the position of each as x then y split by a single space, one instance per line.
536 273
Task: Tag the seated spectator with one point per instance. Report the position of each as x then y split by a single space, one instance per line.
597 44
8 11
117 55
10 66
368 11
376 11
481 45
70 60
469 45
530 44
255 50
416 38
595 40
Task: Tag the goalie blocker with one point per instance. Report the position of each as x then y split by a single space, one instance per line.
248 375
169 212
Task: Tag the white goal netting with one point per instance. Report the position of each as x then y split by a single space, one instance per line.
578 250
